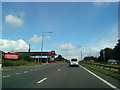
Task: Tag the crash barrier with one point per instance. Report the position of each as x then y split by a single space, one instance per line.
110 67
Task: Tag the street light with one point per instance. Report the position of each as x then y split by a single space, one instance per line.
81 53
42 43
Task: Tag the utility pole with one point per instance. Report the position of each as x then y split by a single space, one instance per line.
41 47
42 44
81 53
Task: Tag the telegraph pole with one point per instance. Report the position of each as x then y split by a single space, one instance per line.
42 44
81 54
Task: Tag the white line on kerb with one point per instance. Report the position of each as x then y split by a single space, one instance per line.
58 69
109 84
6 76
42 80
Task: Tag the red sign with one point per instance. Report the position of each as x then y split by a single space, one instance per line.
52 59
10 56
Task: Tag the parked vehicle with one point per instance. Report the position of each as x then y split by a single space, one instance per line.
112 61
74 62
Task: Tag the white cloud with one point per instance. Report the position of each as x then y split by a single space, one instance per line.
101 4
64 47
17 46
72 54
36 39
108 38
13 21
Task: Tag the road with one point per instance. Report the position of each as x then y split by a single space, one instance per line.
55 75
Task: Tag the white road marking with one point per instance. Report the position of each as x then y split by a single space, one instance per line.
6 76
42 80
17 73
106 82
58 69
25 71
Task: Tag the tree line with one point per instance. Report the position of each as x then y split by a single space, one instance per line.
106 54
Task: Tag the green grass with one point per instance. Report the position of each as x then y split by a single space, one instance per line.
10 63
117 65
110 72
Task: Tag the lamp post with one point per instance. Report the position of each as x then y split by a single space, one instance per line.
42 43
81 53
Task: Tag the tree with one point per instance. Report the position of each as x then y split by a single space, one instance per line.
117 51
106 54
25 57
59 58
88 58
109 54
101 57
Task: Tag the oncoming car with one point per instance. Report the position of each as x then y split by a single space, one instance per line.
74 62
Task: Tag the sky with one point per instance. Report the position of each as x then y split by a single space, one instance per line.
76 26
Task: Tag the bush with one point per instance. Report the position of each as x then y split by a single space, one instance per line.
25 57
7 63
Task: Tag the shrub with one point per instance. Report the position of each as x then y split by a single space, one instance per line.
25 57
7 63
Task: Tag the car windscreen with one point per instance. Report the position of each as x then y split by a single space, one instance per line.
73 59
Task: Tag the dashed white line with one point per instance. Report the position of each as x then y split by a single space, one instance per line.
58 69
25 71
106 82
42 80
17 73
6 76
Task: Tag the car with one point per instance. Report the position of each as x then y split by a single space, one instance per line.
74 62
112 61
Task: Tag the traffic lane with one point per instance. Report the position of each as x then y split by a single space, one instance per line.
20 70
10 70
28 80
72 77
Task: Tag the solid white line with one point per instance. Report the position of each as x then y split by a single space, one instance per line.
109 84
58 69
42 80
6 76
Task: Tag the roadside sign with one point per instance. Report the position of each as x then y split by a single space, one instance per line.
10 56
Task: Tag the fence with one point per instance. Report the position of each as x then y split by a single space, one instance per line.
110 67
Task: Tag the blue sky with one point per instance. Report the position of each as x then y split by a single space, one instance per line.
90 25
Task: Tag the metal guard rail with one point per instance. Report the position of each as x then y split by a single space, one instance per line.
105 66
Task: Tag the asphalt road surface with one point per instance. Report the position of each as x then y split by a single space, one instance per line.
55 75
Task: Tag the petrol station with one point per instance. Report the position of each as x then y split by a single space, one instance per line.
37 56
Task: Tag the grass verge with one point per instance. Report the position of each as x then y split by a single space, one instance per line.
102 70
10 63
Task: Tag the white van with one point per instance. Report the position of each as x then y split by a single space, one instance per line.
74 62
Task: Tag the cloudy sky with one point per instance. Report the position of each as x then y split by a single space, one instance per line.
90 26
